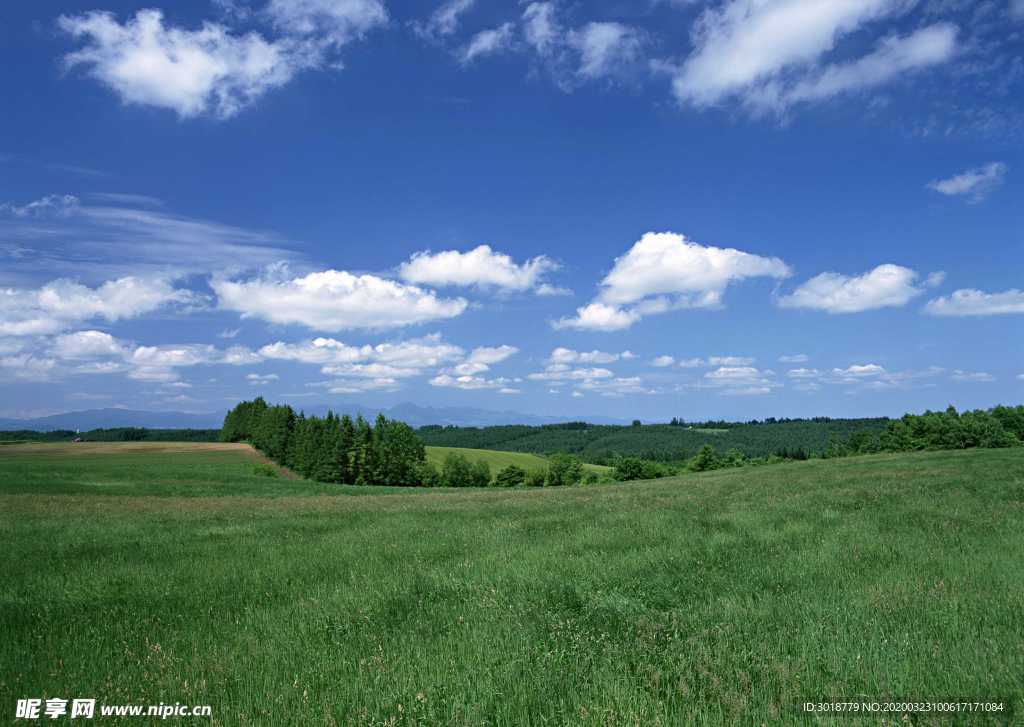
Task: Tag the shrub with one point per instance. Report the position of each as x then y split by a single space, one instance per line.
511 476
456 471
564 470
481 473
536 478
262 469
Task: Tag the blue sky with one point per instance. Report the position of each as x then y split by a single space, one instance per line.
720 208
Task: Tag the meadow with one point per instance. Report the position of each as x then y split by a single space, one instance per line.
178 573
499 460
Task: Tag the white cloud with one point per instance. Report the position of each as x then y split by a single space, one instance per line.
488 42
52 205
192 72
577 395
540 27
663 361
975 377
795 358
229 333
481 359
97 352
670 264
398 360
550 291
27 367
562 355
666 271
88 345
510 391
730 361
334 300
359 386
445 20
1017 9
803 373
469 383
740 381
101 242
859 371
692 363
885 286
975 184
894 57
331 21
765 52
970 302
564 372
614 387
605 48
261 379
480 267
598 317
59 304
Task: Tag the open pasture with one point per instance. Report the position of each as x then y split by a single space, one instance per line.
174 574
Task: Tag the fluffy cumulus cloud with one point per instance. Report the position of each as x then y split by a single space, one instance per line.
212 69
887 286
971 302
191 72
334 300
770 53
392 360
666 271
384 366
61 304
98 352
974 184
480 267
795 358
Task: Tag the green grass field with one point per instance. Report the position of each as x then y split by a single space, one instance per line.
499 460
138 574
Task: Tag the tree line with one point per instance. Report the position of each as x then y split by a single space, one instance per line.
1000 426
334 448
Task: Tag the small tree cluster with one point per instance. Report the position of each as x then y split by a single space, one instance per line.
332 448
1002 426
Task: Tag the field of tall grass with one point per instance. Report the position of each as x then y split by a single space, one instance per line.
148 574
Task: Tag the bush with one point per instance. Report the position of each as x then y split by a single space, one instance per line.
264 470
511 476
481 473
564 470
456 471
536 478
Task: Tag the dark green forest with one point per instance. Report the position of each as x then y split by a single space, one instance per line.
117 434
678 442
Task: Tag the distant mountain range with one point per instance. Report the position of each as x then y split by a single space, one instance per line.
412 414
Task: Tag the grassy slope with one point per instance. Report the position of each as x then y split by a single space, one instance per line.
723 597
498 460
